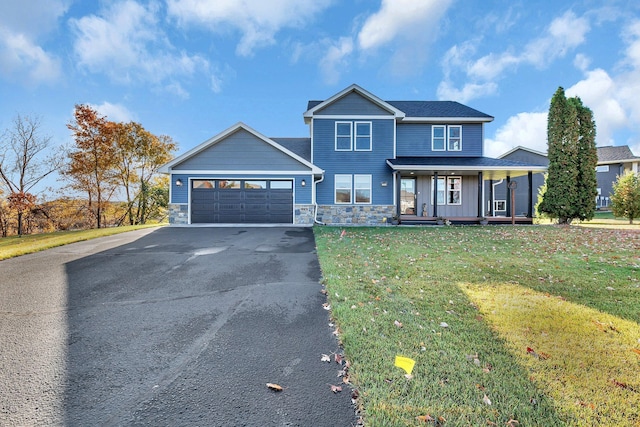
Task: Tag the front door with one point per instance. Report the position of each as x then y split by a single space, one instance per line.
408 196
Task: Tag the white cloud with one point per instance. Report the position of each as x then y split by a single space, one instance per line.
469 91
114 112
335 59
257 20
126 43
524 129
22 24
564 34
598 91
400 19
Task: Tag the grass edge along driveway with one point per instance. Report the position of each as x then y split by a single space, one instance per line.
449 298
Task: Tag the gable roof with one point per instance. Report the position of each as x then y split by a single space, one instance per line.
166 168
408 111
314 106
299 146
522 148
617 154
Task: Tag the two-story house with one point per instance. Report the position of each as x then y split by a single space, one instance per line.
613 161
365 162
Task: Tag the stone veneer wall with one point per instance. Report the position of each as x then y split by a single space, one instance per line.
355 214
303 214
178 214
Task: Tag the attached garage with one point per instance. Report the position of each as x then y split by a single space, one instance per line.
243 177
248 201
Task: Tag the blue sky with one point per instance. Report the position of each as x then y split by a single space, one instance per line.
190 69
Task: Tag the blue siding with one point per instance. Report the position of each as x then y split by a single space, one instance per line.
606 179
353 104
241 151
302 195
354 162
414 139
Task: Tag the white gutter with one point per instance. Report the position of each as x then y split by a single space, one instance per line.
315 202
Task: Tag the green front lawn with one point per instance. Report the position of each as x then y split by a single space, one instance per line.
520 326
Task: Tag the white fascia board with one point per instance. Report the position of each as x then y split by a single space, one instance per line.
614 162
520 147
447 119
439 168
355 88
352 117
194 172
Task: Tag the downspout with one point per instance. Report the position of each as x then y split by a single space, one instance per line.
315 201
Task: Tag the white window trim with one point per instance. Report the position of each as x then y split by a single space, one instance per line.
350 136
444 148
449 137
446 180
602 168
497 202
356 188
336 188
450 178
355 139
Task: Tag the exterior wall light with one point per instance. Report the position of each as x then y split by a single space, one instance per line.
303 183
178 183
383 183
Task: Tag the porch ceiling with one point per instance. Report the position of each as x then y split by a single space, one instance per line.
491 168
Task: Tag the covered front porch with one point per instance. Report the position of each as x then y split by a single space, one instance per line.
430 190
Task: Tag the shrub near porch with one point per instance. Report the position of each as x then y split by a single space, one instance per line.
449 298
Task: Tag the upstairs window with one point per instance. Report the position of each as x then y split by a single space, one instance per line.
438 139
363 136
446 138
455 138
344 136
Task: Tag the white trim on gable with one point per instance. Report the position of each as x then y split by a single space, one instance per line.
520 147
167 167
354 88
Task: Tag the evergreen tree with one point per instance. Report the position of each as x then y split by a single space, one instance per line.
571 183
587 161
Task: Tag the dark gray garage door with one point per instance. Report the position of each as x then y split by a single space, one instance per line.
241 201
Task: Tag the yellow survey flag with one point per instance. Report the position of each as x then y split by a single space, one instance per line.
405 363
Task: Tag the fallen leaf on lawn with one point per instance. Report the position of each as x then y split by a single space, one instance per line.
486 400
325 358
335 388
326 306
398 324
425 418
512 423
444 324
636 351
408 376
619 384
275 387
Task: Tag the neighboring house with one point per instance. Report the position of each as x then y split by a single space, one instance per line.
498 195
613 162
367 161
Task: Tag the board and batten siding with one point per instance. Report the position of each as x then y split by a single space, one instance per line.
414 139
469 207
355 162
241 151
353 104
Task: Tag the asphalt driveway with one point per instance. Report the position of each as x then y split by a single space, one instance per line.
169 326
